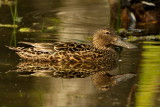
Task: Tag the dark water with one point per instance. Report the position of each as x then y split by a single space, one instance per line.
137 73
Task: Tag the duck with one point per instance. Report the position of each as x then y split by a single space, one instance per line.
99 51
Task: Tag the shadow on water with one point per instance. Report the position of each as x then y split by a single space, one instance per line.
131 81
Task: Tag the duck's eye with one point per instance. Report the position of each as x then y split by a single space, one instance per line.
107 33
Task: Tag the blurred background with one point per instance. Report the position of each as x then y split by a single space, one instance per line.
132 82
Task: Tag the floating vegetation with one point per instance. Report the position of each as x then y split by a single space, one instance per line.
7 2
142 38
28 30
8 25
44 27
52 26
48 28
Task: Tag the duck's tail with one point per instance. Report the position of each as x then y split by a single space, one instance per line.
15 48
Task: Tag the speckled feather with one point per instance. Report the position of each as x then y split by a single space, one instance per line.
84 54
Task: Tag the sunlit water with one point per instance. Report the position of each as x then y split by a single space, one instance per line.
73 20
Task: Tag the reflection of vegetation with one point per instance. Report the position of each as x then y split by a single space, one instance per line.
54 20
50 28
119 16
13 38
44 27
14 14
149 78
15 19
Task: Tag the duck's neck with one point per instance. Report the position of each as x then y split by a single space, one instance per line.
99 44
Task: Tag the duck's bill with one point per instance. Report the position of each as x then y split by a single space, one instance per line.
125 44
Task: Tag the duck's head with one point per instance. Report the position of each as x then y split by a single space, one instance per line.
104 38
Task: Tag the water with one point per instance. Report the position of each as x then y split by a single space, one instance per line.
134 77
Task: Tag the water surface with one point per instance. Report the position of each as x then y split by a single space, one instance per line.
73 20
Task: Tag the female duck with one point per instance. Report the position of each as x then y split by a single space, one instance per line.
100 49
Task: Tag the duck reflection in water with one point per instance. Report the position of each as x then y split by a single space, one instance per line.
103 75
75 60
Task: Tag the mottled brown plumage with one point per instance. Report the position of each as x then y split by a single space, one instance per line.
100 50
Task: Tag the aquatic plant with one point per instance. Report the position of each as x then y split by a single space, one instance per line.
15 20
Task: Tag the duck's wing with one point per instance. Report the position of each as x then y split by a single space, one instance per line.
71 46
44 47
59 46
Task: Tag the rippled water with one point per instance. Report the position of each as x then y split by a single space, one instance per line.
132 81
